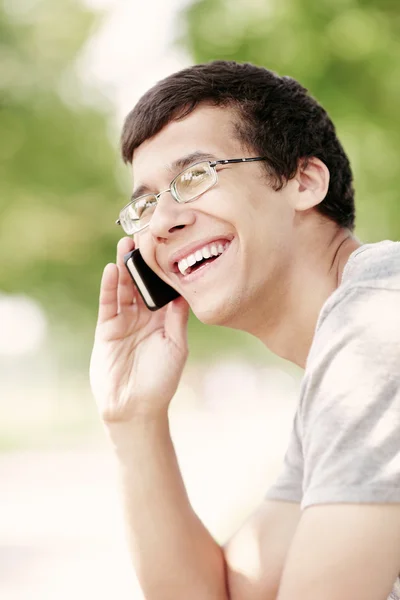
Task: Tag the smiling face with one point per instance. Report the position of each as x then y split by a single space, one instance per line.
239 232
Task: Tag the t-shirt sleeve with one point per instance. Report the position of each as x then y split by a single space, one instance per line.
288 485
350 407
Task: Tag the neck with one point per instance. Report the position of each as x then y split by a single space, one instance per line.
286 321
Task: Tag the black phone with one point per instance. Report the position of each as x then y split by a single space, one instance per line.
154 291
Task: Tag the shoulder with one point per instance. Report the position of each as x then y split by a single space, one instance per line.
374 264
358 334
350 402
351 377
365 307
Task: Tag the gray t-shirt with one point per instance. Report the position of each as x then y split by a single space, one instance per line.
345 441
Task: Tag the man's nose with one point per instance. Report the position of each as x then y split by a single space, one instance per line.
169 216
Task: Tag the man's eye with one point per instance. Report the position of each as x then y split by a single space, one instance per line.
193 177
144 206
190 175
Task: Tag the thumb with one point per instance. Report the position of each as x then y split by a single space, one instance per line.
176 320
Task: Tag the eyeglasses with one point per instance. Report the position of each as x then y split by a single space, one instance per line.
185 187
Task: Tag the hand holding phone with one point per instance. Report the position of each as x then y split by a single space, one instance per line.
154 291
138 354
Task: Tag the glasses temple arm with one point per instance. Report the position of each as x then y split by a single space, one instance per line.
236 160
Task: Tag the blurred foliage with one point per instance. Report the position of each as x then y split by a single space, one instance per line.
347 53
58 190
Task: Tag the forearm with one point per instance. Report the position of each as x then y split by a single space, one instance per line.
174 555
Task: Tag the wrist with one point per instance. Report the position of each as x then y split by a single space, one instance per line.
126 437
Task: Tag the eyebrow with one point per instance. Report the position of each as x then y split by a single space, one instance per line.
189 159
178 165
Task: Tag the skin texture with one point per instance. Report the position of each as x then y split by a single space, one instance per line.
283 262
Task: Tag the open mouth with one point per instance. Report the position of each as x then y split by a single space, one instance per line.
201 257
201 263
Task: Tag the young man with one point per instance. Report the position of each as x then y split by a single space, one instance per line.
266 246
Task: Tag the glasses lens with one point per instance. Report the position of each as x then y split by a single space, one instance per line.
138 214
193 181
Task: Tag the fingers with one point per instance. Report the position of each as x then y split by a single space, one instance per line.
126 288
176 321
108 301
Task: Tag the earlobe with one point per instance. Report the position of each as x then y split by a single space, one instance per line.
312 183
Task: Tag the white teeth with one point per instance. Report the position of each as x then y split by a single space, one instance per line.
206 252
183 265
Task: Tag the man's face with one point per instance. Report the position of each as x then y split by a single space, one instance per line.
241 214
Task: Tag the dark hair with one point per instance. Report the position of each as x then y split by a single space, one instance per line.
278 119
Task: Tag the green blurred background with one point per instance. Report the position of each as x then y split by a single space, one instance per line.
62 182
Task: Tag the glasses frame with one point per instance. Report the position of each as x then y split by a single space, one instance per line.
172 189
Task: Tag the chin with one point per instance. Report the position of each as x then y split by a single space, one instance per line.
219 313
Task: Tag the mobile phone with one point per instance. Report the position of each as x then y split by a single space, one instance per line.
154 291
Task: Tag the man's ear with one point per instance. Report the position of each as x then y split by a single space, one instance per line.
311 183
